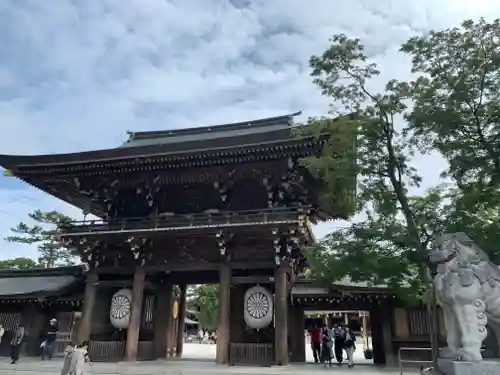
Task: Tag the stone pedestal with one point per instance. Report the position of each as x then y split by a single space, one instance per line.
485 367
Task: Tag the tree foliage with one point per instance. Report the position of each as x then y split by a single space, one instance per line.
452 106
18 263
456 101
205 300
383 169
44 233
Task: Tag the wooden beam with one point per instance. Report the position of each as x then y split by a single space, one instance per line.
123 284
135 316
181 320
251 280
281 312
223 334
162 317
188 267
88 308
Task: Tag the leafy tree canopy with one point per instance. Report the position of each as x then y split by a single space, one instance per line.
451 107
18 263
44 233
205 299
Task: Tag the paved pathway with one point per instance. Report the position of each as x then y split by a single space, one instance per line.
198 360
36 367
207 352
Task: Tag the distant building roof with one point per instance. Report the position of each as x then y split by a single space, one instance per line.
191 322
307 287
41 282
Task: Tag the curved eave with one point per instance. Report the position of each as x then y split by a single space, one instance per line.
235 141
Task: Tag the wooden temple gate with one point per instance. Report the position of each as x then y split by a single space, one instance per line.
227 204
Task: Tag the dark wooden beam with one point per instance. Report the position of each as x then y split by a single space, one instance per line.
135 316
84 330
224 326
188 267
281 313
123 284
252 280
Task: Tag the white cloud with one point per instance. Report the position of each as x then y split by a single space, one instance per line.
76 75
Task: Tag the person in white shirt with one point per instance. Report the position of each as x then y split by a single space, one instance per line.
327 345
350 345
2 332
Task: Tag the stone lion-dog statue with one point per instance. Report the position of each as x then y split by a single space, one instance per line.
467 287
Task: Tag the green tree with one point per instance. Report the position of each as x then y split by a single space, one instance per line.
383 169
454 109
205 299
375 251
18 263
44 233
456 105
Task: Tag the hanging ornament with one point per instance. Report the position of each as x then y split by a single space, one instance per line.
258 309
119 312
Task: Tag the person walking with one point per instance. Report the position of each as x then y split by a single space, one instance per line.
200 336
79 359
68 356
315 337
50 339
350 345
326 347
15 344
339 343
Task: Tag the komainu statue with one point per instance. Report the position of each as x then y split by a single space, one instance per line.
467 288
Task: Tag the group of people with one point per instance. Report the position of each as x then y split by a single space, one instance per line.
204 337
329 343
75 356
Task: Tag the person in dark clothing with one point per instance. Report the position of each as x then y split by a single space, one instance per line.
315 335
15 343
339 343
50 340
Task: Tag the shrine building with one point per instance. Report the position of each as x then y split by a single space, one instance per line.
227 204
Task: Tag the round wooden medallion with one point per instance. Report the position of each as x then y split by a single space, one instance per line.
175 310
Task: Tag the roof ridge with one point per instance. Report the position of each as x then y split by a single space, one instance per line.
42 272
215 128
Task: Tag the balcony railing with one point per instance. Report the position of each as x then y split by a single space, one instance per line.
209 219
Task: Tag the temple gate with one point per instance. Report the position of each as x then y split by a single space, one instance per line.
227 204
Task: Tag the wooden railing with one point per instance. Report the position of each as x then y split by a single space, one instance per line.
200 220
145 350
111 351
106 350
251 354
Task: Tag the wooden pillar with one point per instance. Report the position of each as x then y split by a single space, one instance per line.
380 321
301 338
296 333
135 315
181 321
293 327
391 358
223 332
237 314
280 322
163 315
85 325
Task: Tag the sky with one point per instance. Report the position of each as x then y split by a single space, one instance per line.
77 75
